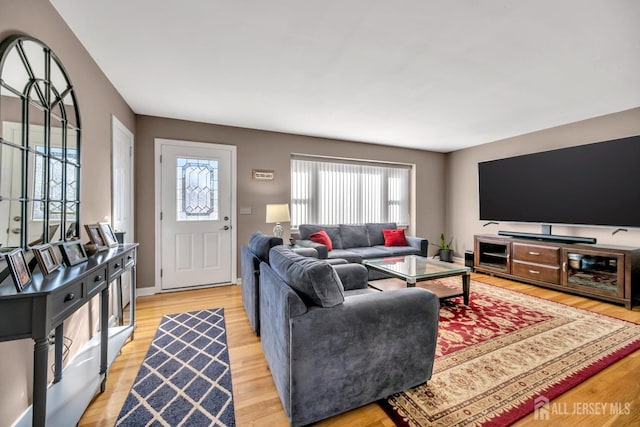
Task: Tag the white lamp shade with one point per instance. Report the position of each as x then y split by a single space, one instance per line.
278 213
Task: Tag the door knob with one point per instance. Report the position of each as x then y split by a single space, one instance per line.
15 230
226 218
226 227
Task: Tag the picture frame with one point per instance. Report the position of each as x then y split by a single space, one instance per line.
47 258
73 252
96 237
18 268
108 235
263 175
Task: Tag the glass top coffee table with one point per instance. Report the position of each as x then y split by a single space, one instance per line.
414 268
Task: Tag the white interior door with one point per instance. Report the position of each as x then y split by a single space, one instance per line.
196 210
122 216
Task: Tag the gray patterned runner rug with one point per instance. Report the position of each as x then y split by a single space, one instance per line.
185 377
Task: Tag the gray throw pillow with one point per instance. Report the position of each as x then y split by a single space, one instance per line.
314 280
261 243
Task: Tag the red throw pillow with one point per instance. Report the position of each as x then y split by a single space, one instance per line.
394 237
323 238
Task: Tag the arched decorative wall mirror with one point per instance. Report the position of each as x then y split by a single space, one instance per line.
39 146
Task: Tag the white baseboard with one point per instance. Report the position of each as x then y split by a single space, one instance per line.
151 290
143 292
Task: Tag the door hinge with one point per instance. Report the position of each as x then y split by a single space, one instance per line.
130 151
160 158
160 272
161 216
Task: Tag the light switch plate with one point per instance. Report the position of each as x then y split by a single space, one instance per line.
245 211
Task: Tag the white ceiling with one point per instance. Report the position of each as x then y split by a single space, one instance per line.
434 75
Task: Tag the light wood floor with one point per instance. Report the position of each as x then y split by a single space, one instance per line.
256 400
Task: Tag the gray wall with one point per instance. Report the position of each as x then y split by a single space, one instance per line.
462 177
97 100
271 150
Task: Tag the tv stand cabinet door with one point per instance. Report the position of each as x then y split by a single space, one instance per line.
598 272
492 254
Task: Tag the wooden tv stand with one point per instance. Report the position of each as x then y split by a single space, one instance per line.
611 273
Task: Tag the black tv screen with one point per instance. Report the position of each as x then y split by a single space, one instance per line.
593 184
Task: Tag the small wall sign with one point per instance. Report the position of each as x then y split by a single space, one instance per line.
262 175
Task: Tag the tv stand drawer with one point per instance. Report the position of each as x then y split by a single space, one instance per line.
537 254
544 273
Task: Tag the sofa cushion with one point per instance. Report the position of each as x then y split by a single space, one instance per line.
375 232
399 250
394 238
323 238
346 254
306 230
261 243
354 292
314 280
368 253
354 236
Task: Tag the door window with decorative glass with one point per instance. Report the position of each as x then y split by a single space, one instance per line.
197 189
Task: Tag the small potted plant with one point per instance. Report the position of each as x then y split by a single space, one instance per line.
445 252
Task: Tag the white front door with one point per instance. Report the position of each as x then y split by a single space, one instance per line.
196 239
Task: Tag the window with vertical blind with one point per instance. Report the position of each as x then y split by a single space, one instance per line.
331 191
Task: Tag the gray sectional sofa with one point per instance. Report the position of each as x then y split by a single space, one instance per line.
251 255
357 242
332 344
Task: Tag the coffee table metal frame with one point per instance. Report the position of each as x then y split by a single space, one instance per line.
415 268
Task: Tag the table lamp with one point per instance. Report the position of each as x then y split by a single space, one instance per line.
278 213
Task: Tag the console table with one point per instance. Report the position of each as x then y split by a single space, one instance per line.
607 272
43 306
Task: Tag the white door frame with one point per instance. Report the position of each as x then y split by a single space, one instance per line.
122 137
117 125
157 149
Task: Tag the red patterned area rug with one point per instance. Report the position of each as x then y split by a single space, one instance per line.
505 353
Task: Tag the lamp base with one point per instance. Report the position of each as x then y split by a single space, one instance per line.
278 231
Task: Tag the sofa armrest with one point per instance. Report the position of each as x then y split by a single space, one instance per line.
370 347
278 303
308 252
419 243
352 276
322 249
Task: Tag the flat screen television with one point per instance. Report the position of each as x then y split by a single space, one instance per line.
592 184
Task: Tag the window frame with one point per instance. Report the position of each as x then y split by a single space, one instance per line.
385 170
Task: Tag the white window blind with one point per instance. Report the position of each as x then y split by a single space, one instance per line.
325 191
